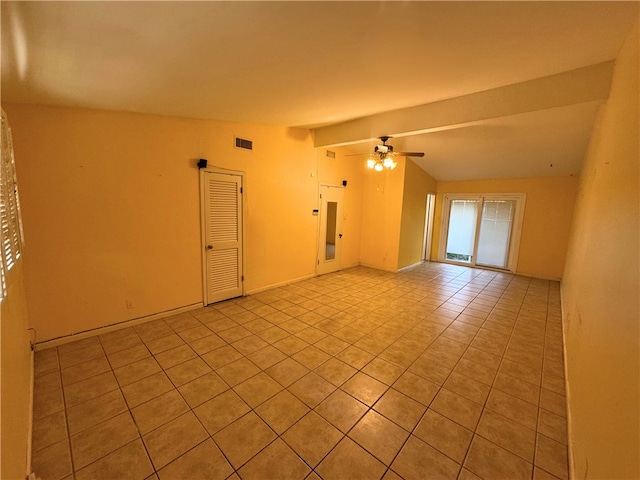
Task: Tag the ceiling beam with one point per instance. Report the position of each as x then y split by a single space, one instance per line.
582 85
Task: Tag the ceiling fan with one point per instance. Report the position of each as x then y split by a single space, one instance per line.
382 156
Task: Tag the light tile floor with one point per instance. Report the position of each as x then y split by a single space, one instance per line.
437 372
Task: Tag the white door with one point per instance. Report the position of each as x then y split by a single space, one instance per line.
330 232
222 211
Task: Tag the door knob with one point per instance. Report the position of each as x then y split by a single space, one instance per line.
209 247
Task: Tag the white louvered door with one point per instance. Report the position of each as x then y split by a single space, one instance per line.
223 236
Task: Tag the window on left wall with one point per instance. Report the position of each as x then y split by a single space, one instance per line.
11 236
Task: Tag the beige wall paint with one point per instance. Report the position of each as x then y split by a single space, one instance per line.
417 184
601 285
381 217
111 210
16 360
546 223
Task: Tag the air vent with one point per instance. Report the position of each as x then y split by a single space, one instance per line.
244 144
331 154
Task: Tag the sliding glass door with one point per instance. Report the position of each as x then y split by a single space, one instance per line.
482 230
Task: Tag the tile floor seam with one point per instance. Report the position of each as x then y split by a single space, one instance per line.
209 435
112 369
235 469
411 433
401 314
461 464
313 468
66 423
484 406
544 346
344 434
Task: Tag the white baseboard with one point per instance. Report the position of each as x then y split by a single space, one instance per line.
29 474
530 275
54 342
567 392
353 265
377 267
409 267
279 284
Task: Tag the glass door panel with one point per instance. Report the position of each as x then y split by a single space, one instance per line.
463 215
482 230
330 243
495 233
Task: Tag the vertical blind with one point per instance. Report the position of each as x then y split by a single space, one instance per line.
495 232
462 227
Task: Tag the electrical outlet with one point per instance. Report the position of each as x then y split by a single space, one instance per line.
130 304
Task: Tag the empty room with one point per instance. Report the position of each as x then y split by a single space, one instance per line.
320 240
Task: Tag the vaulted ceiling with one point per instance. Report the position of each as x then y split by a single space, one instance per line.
485 89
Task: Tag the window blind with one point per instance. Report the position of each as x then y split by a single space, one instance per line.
10 221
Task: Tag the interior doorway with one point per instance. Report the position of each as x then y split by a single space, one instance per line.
222 232
428 227
330 229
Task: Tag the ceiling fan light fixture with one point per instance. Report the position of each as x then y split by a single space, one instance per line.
383 156
389 163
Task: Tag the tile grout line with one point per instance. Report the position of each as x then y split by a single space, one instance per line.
397 296
66 418
483 406
438 390
544 347
371 408
440 386
129 410
502 358
344 434
462 463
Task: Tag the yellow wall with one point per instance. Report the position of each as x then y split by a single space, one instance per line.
16 361
547 219
601 285
417 184
381 217
111 210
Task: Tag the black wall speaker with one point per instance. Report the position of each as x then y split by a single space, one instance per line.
202 163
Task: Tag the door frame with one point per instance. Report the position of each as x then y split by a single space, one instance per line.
203 232
516 227
320 225
429 221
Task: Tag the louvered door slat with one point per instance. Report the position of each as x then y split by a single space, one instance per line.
223 211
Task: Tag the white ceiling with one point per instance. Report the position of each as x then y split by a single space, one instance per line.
315 64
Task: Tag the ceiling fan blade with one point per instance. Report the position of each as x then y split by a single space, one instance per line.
410 154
